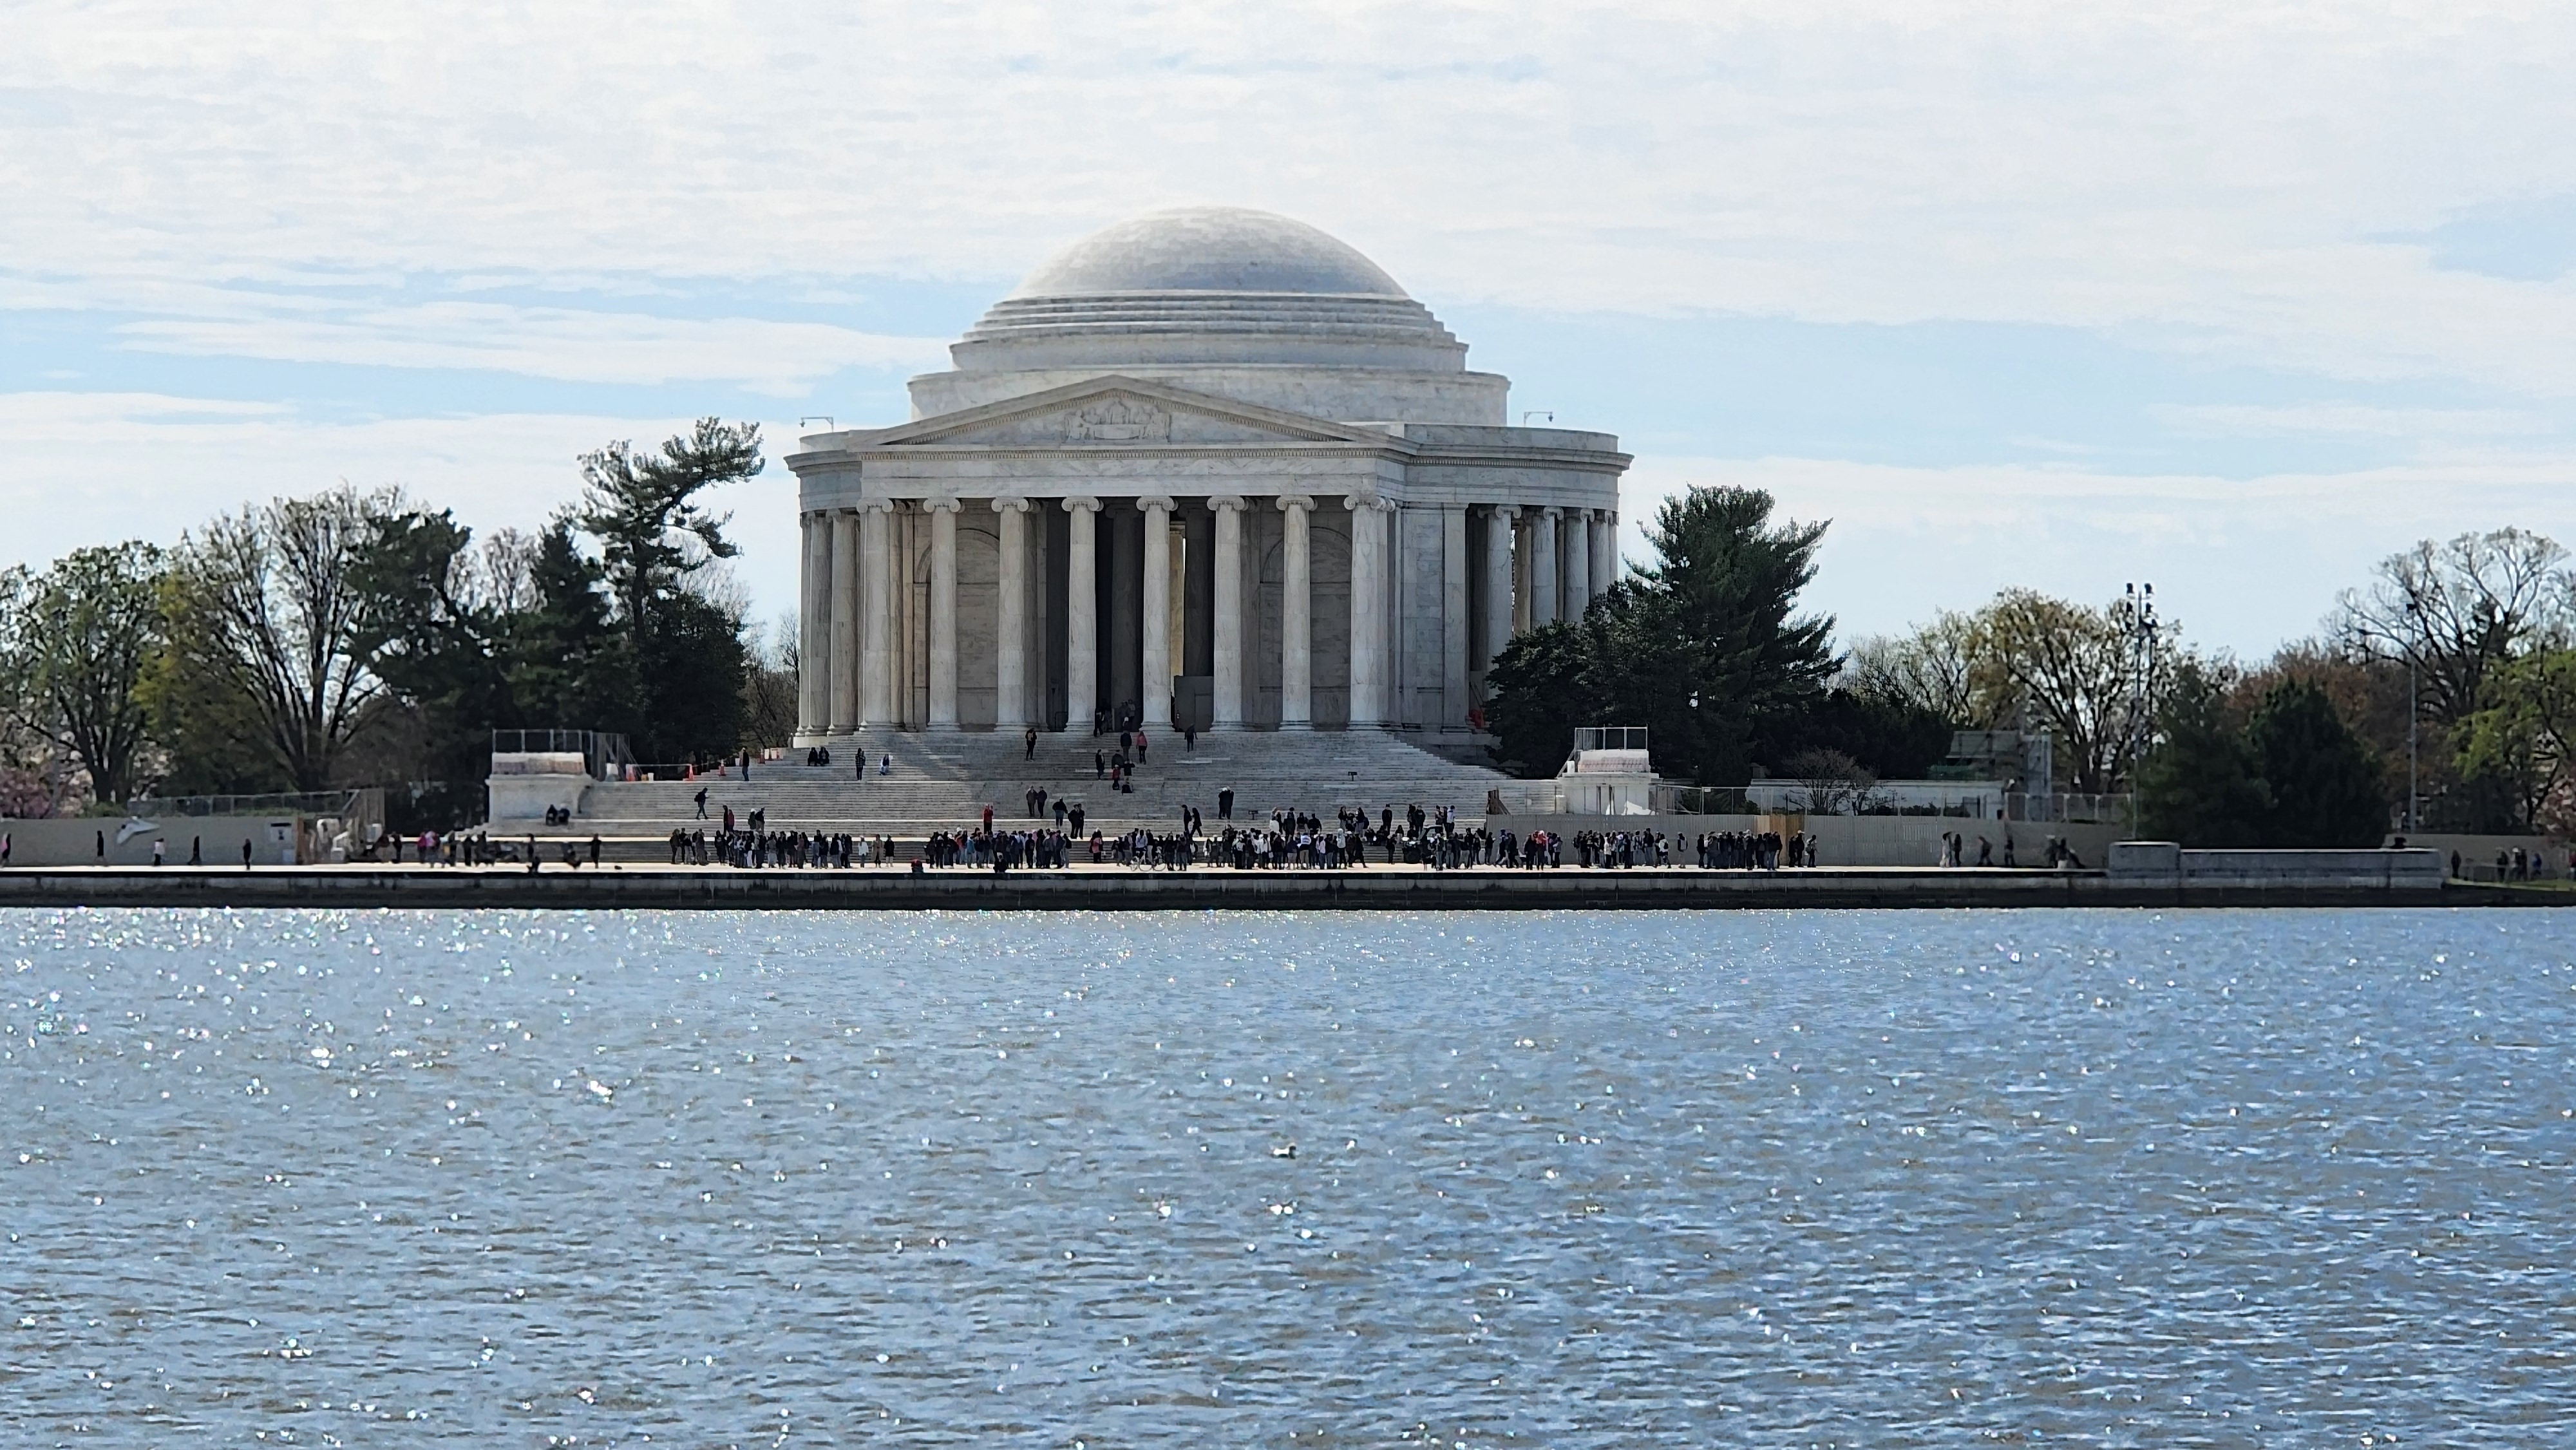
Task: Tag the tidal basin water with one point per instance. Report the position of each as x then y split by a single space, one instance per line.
1582 1179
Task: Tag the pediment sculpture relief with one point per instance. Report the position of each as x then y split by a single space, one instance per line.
1119 420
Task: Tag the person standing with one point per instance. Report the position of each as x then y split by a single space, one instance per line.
196 851
245 853
1029 744
1140 747
1225 804
102 848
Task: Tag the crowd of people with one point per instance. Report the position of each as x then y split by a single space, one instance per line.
755 847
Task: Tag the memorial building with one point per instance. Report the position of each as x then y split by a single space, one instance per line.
1209 468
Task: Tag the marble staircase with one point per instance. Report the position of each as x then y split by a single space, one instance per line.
945 780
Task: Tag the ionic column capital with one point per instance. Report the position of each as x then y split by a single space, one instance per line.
1011 505
1504 512
1161 501
939 505
1225 502
1551 512
874 506
1081 503
1287 501
1370 502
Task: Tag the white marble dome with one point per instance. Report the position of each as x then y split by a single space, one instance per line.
1209 249
1209 285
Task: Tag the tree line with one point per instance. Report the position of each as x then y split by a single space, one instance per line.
2470 643
359 637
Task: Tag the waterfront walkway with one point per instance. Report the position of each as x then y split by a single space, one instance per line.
1107 887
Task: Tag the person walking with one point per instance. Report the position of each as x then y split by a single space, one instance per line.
702 803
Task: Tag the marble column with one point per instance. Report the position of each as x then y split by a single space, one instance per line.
1524 527
1453 617
943 612
1227 631
814 628
1155 685
1605 552
1368 610
876 614
1543 594
1011 630
1499 613
1578 564
1081 617
845 622
1296 618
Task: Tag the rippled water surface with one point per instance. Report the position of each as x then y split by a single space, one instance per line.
1583 1179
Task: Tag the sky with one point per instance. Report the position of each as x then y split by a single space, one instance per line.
2236 299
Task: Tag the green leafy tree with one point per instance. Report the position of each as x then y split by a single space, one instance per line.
2325 785
76 641
434 631
212 734
2525 737
1540 690
568 662
655 536
1723 588
645 511
2201 785
1703 646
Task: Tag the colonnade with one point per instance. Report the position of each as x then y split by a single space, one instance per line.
1541 564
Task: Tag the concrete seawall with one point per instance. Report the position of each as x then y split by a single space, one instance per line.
1115 889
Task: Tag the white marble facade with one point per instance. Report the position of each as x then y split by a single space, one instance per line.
1207 467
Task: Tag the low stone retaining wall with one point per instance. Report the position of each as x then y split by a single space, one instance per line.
2163 862
76 840
1860 840
1110 889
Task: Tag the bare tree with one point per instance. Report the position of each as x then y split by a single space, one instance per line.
1934 668
2075 673
1832 783
506 571
2457 610
270 595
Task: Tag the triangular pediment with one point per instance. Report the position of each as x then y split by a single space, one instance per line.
1114 411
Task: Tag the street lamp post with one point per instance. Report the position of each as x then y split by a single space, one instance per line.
2138 611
